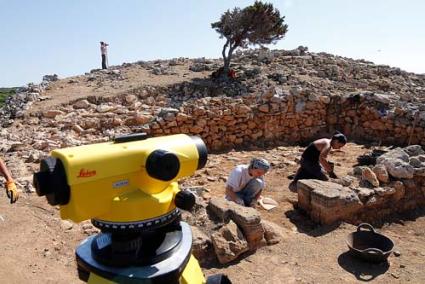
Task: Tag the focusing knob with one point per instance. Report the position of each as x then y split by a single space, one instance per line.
184 200
162 165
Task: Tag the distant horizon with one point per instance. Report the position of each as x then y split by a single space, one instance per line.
62 37
253 48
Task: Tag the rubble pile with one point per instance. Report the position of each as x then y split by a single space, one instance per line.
228 230
278 97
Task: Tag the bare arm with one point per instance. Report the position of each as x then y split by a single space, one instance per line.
323 158
5 172
11 191
231 194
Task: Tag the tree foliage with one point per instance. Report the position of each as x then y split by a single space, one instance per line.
259 24
5 93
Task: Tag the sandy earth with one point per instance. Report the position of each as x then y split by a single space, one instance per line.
37 247
74 88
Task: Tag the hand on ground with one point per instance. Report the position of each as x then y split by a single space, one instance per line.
12 192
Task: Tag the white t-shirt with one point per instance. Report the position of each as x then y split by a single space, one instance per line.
239 177
103 49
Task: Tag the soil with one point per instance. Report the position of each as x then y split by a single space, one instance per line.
132 77
38 247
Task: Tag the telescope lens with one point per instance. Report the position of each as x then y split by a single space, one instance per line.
51 181
162 165
202 151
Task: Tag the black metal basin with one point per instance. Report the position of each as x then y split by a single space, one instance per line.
369 245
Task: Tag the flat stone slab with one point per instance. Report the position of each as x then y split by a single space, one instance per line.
320 189
247 218
327 202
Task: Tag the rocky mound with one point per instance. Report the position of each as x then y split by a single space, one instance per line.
278 97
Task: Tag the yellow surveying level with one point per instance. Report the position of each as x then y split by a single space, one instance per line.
128 188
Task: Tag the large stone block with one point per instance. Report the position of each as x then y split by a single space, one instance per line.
81 104
381 173
385 191
327 202
397 153
397 163
229 243
254 235
219 208
247 218
419 172
375 202
369 176
244 216
364 193
272 233
398 168
399 190
414 150
201 245
304 196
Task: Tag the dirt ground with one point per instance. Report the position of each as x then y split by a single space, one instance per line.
133 77
37 247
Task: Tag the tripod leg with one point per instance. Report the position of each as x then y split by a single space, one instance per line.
96 279
192 273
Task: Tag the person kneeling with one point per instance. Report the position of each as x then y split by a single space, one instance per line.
246 182
314 159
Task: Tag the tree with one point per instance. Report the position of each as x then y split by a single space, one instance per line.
259 24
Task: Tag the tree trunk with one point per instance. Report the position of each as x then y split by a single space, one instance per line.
223 52
226 66
227 58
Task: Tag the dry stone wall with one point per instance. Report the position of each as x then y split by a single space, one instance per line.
395 184
279 97
378 117
274 116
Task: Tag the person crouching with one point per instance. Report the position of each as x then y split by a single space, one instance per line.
246 182
314 159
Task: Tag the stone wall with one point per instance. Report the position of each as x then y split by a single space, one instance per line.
279 97
395 184
17 105
272 117
378 117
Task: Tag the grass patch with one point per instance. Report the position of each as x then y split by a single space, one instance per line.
4 93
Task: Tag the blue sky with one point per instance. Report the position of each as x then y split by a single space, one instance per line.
39 37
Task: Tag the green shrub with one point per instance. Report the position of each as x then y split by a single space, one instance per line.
4 93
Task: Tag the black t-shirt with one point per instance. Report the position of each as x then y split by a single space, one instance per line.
311 153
